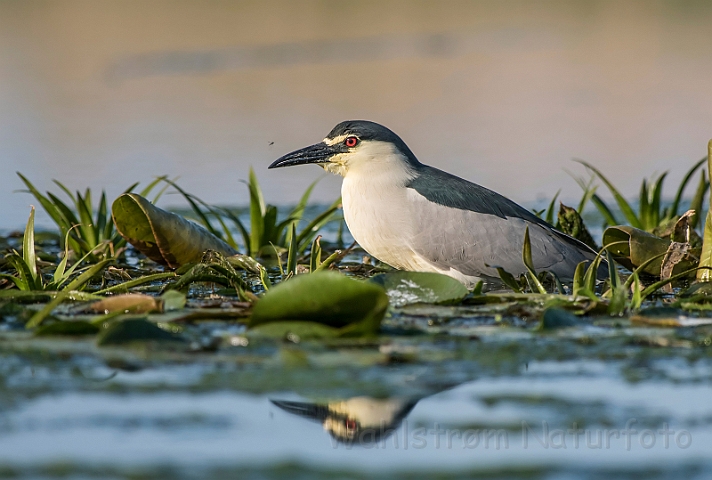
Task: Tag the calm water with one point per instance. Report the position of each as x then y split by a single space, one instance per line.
175 418
503 93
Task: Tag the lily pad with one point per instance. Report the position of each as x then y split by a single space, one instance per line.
134 330
69 328
328 298
294 331
162 236
554 318
404 288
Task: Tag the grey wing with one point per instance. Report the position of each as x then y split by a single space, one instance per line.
473 243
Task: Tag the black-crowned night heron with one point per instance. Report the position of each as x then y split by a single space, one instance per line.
415 217
360 420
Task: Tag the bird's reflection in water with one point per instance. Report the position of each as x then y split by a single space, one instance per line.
357 420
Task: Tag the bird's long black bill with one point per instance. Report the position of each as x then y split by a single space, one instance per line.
317 153
311 411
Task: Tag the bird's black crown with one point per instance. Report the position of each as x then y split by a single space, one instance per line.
366 130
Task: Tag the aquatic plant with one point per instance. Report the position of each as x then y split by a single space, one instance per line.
652 214
29 277
87 230
266 230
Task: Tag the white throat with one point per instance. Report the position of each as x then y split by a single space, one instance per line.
374 196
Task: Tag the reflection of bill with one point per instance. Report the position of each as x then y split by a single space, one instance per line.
357 420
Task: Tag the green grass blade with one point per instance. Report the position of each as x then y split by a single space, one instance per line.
103 228
661 283
59 272
257 214
529 263
639 269
240 226
264 278
28 246
193 202
698 199
17 281
315 254
292 253
298 211
65 190
163 189
578 277
591 275
68 273
683 184
51 209
588 191
86 227
704 275
551 211
279 260
282 231
25 278
70 219
637 298
87 275
614 277
269 230
39 317
644 207
656 201
620 200
605 211
319 221
329 260
124 287
147 190
508 279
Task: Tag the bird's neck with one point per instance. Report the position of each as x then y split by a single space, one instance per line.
378 171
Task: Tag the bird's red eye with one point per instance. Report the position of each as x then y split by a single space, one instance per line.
351 141
350 424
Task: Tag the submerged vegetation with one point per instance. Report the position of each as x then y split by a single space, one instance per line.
286 281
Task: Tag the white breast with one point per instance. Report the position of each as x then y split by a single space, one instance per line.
377 210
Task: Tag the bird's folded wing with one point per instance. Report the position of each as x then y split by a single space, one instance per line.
474 242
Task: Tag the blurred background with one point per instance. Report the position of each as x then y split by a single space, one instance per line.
503 93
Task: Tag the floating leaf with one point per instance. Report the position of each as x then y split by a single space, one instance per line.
325 297
404 288
68 328
130 302
172 300
164 237
554 318
134 330
294 331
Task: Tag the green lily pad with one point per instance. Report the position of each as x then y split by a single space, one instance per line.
404 288
554 318
134 330
293 331
72 328
162 236
328 298
172 300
